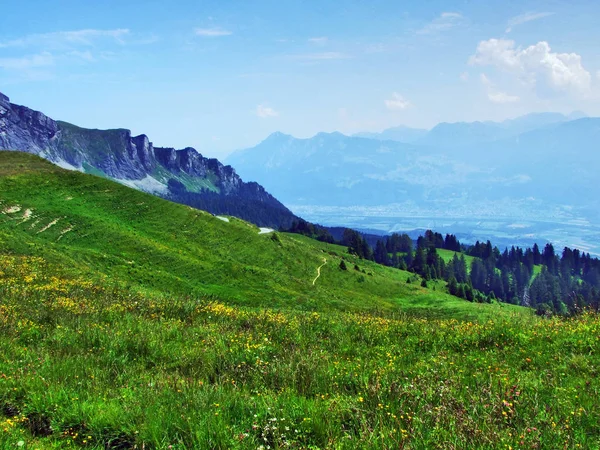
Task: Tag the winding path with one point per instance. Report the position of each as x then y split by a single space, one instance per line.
319 271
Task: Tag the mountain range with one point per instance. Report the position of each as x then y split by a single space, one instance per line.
461 133
184 176
529 178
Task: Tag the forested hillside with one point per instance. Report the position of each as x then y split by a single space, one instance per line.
548 281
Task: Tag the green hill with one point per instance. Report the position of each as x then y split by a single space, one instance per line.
447 256
100 229
127 321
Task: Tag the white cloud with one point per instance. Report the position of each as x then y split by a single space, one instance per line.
502 97
497 52
524 18
495 95
451 15
464 76
61 39
534 64
397 103
323 56
446 21
319 40
212 32
265 112
27 62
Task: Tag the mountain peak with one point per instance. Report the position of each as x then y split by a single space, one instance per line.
577 115
4 98
333 134
278 136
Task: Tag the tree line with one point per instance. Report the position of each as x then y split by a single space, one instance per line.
544 279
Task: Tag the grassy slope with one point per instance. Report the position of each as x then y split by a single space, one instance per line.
416 300
447 256
162 247
262 357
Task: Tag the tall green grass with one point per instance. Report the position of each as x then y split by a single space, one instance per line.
91 366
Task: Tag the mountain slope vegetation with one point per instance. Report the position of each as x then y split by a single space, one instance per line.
92 225
127 321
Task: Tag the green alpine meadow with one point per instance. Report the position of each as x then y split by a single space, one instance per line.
299 225
131 322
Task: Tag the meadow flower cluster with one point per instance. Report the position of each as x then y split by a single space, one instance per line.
100 365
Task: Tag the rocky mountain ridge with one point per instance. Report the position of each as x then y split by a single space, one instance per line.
182 175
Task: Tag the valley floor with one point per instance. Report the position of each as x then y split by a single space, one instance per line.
503 228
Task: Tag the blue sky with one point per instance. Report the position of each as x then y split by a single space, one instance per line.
222 75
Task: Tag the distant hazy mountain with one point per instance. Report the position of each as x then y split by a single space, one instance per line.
335 169
562 160
467 133
534 121
184 175
540 168
463 133
474 161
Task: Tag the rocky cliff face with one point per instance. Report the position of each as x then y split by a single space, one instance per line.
187 160
132 160
24 129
